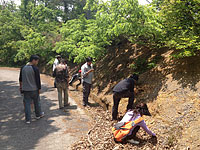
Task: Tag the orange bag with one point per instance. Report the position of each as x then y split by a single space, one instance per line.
122 129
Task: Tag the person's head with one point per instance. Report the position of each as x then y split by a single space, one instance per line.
63 61
135 77
143 109
59 58
89 61
34 59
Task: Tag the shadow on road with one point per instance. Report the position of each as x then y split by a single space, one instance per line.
14 133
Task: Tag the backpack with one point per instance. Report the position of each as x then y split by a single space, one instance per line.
122 129
61 74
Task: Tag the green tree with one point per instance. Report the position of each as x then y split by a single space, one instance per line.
181 20
10 25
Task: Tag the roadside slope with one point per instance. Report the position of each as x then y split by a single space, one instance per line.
169 86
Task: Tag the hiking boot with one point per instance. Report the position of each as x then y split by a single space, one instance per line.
132 141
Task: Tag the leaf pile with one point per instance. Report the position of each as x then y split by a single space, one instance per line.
100 137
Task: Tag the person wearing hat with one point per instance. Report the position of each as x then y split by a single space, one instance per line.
87 75
56 62
75 77
124 89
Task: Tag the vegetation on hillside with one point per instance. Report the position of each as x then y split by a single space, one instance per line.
80 28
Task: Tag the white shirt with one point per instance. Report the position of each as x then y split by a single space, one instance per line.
84 69
56 62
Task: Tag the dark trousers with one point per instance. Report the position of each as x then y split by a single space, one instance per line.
78 84
116 99
134 132
74 78
54 83
28 97
86 92
132 136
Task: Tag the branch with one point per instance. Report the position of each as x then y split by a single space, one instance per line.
89 134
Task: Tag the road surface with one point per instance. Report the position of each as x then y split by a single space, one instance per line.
56 131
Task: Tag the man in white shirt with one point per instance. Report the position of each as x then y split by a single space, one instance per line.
87 75
56 62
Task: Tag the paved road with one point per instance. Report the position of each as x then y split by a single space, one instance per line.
56 131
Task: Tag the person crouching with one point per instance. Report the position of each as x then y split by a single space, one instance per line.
126 129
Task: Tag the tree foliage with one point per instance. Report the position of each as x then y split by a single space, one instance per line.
181 21
80 28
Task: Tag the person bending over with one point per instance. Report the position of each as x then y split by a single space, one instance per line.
124 89
76 77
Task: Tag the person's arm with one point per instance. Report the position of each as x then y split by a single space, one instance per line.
54 67
54 73
129 84
37 77
55 63
20 80
84 73
67 75
144 126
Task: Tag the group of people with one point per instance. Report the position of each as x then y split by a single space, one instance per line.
30 86
61 74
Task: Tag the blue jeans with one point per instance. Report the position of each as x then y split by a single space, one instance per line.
35 97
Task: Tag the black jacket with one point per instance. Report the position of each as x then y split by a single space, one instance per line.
125 85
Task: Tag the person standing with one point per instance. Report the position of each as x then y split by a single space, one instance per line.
62 82
87 75
30 86
124 89
56 62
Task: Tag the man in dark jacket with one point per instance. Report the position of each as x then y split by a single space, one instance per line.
124 89
30 86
